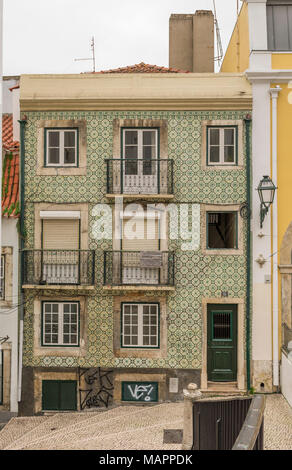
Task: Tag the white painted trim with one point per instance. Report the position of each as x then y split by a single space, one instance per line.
269 75
274 94
60 215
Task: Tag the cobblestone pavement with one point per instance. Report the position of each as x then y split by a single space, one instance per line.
126 427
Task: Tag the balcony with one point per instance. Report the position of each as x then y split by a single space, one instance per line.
48 268
132 177
153 270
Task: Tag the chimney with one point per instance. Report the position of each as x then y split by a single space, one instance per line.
191 42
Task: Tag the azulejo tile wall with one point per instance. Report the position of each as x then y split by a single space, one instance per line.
196 275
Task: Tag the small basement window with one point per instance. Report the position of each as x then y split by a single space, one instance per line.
222 230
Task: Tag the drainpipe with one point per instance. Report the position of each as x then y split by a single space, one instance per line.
22 155
274 94
248 249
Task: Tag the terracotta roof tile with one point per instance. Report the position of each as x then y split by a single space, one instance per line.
10 179
143 68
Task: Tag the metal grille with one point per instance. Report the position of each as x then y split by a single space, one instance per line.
139 176
221 325
128 268
69 267
218 423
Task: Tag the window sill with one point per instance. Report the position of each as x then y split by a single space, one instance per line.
139 288
61 171
141 196
58 287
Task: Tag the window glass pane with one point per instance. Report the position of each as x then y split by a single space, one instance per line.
74 308
214 154
127 309
69 156
131 137
135 340
228 136
229 154
214 136
54 139
127 340
66 308
66 339
126 318
146 309
55 308
222 230
47 307
74 339
55 339
222 325
149 153
131 152
146 341
153 309
66 328
135 309
153 340
69 139
149 138
53 156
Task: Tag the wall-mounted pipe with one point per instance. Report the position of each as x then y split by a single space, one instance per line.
275 94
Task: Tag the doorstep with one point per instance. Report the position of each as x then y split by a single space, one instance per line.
223 388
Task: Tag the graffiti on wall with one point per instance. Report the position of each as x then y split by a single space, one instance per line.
95 388
140 391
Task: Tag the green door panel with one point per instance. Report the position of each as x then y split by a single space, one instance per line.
222 343
59 395
50 393
68 396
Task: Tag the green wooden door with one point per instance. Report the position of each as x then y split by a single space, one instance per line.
59 395
222 343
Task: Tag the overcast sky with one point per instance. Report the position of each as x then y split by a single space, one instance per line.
45 36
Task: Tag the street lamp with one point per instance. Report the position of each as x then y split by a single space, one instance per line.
266 190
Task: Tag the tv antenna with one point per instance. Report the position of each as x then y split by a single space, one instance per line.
92 46
219 56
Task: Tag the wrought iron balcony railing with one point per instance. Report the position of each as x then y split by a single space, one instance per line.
65 267
133 268
139 176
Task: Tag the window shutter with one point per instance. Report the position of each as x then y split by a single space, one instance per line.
147 232
60 234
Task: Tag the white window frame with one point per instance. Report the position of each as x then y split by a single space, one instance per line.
60 325
2 277
222 146
140 142
140 326
61 148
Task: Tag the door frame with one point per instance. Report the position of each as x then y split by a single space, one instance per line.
241 373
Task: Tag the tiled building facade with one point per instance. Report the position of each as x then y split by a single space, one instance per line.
100 364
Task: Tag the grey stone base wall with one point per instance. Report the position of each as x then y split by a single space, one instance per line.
100 387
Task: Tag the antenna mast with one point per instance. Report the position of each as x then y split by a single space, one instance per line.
219 56
92 45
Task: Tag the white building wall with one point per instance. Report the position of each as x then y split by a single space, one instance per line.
9 316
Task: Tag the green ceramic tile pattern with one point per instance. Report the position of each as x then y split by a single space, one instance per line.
196 275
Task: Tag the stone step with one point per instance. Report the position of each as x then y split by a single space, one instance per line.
126 419
17 427
66 423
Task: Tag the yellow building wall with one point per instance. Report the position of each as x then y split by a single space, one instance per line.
282 61
237 55
284 168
